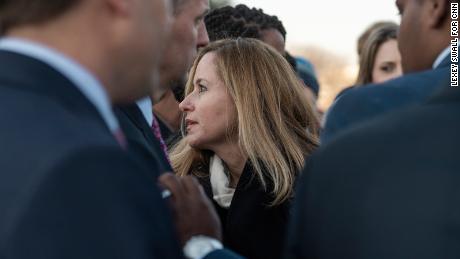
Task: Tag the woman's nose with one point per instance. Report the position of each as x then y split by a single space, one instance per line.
186 104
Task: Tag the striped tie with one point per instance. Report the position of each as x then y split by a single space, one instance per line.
157 132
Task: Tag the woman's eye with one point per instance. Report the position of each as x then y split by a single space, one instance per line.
388 68
202 88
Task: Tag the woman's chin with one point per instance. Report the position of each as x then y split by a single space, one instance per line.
193 142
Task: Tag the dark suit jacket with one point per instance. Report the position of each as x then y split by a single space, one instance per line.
363 103
141 138
67 189
250 227
386 189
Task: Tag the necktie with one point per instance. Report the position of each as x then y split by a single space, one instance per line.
157 132
120 137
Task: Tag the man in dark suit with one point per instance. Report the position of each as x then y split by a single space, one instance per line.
425 59
188 33
68 189
387 188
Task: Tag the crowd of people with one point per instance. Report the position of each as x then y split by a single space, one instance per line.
162 129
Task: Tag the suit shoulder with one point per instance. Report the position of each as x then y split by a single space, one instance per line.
366 102
397 127
375 94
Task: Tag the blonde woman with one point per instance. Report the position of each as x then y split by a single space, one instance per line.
247 129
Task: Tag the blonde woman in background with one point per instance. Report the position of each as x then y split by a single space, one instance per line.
248 129
380 59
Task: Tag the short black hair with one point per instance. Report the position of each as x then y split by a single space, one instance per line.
240 21
265 21
229 22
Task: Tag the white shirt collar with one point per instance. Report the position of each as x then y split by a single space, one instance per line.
441 57
88 85
145 105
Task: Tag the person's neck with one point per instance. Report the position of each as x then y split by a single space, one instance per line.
167 110
439 41
234 158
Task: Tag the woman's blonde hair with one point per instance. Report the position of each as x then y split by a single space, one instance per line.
276 125
379 35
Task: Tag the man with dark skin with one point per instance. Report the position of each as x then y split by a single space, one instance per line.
388 188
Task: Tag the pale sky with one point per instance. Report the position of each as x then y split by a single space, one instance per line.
332 24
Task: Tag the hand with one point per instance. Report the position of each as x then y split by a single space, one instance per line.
194 213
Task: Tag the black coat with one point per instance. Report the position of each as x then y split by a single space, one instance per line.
250 227
67 189
388 189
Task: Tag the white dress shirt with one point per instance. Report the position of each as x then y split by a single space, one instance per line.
145 105
441 57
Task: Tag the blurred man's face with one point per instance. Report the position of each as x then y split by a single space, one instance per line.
188 33
143 45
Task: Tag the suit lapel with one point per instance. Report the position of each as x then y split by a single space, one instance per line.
136 117
35 76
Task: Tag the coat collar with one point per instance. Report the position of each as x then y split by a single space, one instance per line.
28 74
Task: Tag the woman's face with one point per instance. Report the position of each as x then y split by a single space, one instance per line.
209 109
387 64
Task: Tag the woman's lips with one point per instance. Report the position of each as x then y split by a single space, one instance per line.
189 123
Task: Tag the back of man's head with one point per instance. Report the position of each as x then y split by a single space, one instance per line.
25 12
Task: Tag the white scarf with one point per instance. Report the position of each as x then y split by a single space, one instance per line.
222 193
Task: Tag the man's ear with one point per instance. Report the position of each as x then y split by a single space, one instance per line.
120 7
438 12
